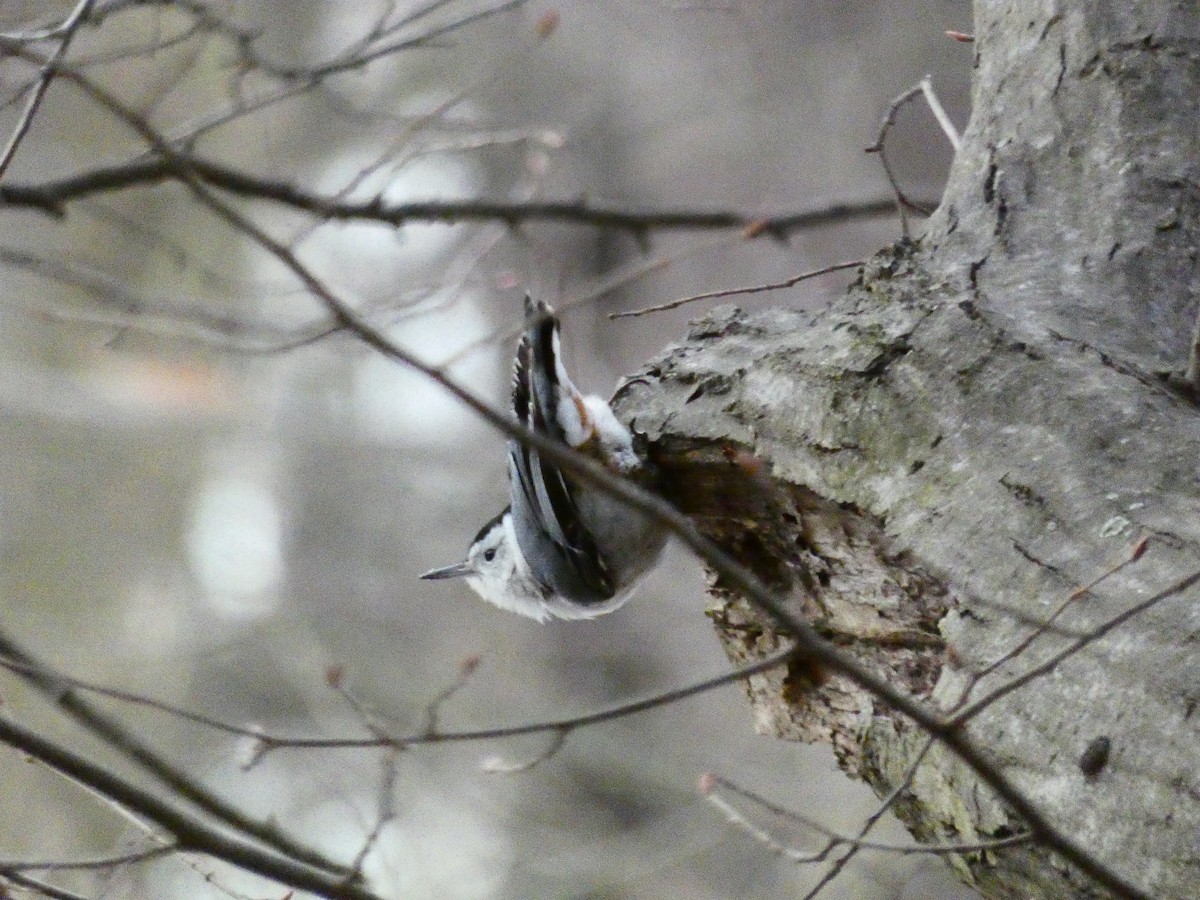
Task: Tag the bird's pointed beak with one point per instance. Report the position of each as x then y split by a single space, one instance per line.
455 571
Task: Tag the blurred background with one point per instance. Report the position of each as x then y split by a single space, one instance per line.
208 500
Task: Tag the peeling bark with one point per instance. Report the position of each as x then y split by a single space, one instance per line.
986 421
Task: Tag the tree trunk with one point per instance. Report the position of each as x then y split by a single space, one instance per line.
982 425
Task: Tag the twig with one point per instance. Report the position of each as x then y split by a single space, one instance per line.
433 710
103 862
968 713
55 686
640 268
59 689
901 201
495 765
360 58
764 837
370 719
870 822
38 886
939 113
712 782
386 812
423 737
1134 555
923 87
52 197
730 292
129 311
191 833
67 32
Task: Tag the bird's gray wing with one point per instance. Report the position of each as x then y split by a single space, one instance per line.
559 548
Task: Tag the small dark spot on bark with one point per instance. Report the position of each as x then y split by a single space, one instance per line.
916 467
1113 251
969 308
1189 708
1024 349
989 183
1023 492
936 440
1095 756
973 273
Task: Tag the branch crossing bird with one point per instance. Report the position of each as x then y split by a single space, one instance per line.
561 549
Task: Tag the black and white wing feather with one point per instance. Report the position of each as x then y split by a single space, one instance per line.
551 535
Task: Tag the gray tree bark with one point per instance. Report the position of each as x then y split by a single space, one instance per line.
991 417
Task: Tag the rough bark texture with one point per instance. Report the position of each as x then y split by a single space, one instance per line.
934 463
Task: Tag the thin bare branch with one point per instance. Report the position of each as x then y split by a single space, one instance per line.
714 782
924 87
939 113
66 32
387 808
496 765
60 690
191 833
1135 553
370 718
54 196
623 277
732 292
1095 634
124 310
39 886
434 708
427 38
270 741
870 822
102 862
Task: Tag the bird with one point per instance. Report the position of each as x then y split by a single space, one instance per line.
561 548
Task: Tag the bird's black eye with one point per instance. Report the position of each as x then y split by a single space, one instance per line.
489 554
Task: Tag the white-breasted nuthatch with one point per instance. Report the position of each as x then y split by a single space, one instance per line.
561 548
